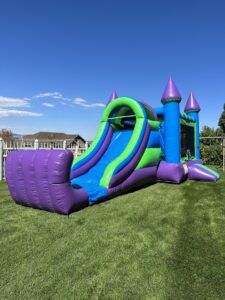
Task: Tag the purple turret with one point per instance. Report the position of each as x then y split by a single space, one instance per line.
192 108
192 104
170 100
112 97
171 92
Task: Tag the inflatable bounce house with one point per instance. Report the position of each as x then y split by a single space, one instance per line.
135 145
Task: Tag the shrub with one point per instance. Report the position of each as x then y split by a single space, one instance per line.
212 153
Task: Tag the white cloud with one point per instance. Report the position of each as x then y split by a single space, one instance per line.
85 103
8 102
4 113
54 95
79 101
48 104
59 96
47 94
13 102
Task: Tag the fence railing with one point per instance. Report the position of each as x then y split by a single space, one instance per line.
6 147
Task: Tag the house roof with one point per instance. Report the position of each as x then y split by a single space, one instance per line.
42 135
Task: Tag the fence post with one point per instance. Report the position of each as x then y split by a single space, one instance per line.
36 146
76 151
1 158
64 144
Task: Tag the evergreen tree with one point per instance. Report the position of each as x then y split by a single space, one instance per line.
222 120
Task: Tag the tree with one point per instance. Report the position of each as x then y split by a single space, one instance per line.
6 134
208 131
222 120
211 149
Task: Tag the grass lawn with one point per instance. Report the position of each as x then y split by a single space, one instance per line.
161 242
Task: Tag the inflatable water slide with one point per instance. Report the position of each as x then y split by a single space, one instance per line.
135 145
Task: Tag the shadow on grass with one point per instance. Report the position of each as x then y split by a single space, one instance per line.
197 266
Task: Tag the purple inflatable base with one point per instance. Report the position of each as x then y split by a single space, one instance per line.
196 172
40 179
192 162
170 172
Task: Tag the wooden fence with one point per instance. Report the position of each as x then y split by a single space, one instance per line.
6 147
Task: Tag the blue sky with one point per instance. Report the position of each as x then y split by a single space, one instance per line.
60 60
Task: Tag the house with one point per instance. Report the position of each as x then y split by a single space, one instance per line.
54 140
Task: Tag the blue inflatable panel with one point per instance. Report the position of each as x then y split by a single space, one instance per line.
90 180
172 132
154 140
159 111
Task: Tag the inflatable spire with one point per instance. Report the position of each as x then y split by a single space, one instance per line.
112 97
171 92
192 104
192 108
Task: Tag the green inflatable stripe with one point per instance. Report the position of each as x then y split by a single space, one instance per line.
121 112
128 150
154 124
134 105
150 157
209 170
93 145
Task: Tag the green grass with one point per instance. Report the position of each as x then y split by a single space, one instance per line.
161 242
